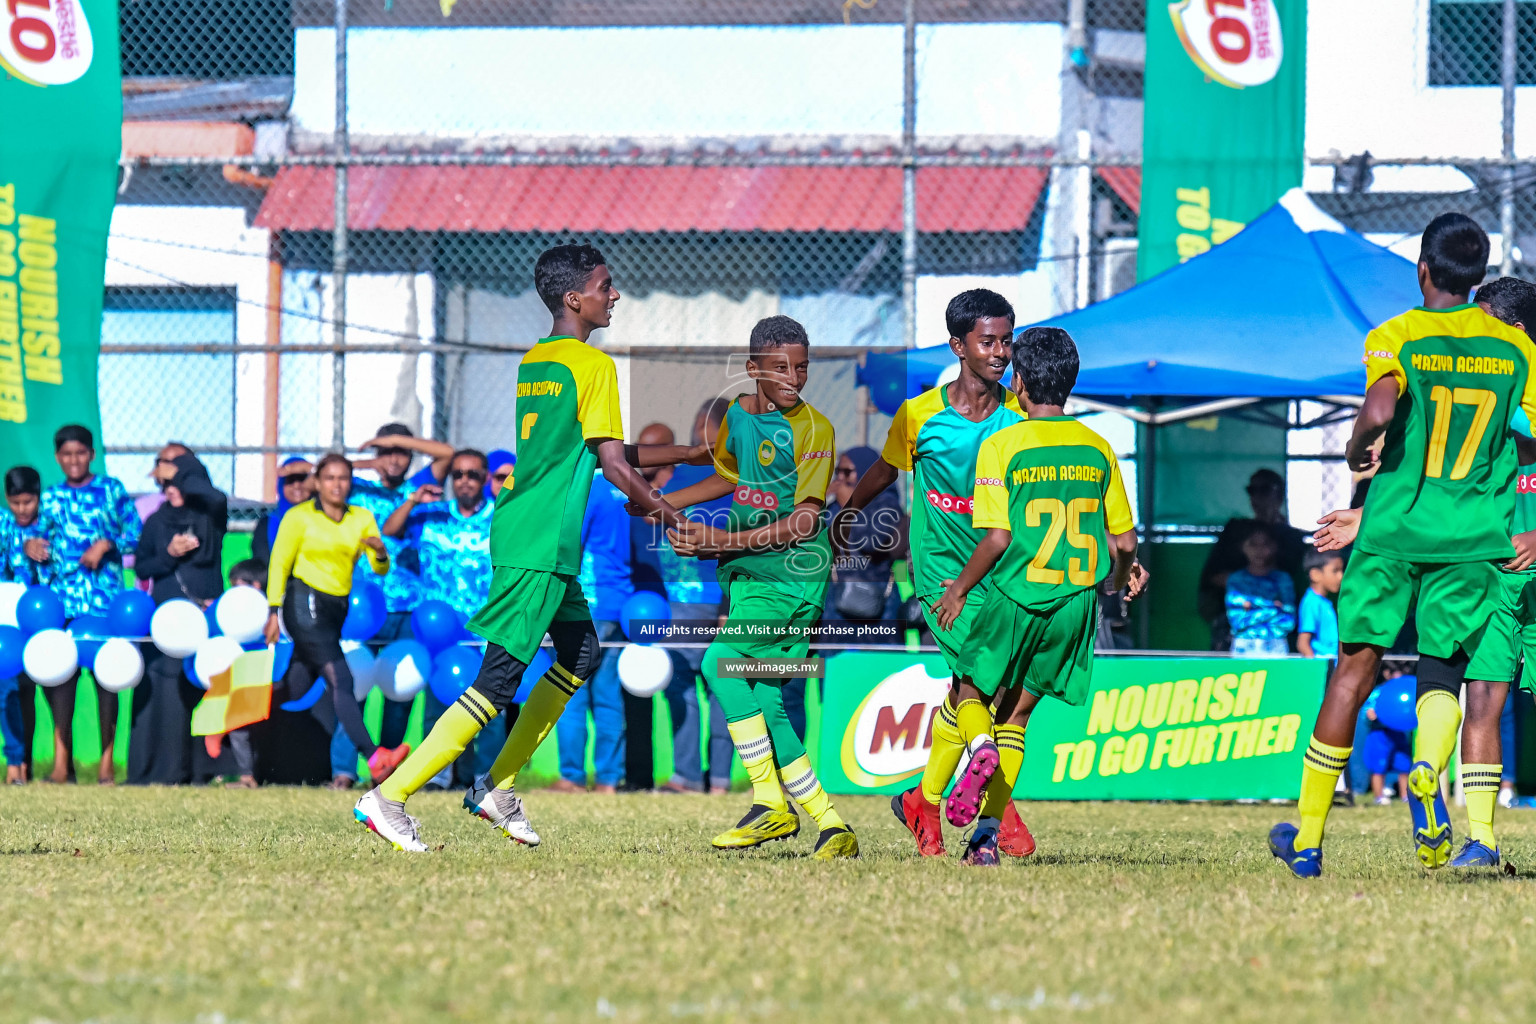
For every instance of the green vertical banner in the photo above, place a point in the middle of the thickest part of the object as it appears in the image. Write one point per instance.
(1224, 123)
(60, 139)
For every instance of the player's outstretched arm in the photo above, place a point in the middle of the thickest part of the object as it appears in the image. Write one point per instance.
(1374, 418)
(610, 455)
(646, 456)
(875, 479)
(1338, 529)
(952, 602)
(1129, 575)
(702, 541)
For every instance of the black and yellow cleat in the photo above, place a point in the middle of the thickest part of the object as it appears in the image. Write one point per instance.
(762, 824)
(836, 844)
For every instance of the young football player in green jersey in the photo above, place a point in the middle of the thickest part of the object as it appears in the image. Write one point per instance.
(935, 437)
(1510, 634)
(1434, 532)
(1048, 492)
(568, 422)
(774, 453)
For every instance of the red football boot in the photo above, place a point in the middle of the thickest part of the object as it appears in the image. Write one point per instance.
(922, 820)
(1013, 837)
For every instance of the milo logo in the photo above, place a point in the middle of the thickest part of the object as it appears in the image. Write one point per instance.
(754, 498)
(950, 502)
(45, 42)
(1235, 42)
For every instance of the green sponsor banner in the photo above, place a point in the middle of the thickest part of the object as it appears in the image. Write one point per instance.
(1224, 121)
(59, 146)
(1154, 728)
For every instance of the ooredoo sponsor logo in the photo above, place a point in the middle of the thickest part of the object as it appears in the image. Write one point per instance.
(1235, 42)
(950, 502)
(45, 42)
(757, 499)
(1525, 483)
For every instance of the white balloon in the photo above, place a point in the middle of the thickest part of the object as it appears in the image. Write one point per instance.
(119, 665)
(10, 593)
(178, 628)
(644, 669)
(402, 670)
(242, 613)
(214, 655)
(364, 668)
(50, 657)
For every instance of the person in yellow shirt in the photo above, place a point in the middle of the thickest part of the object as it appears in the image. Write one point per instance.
(309, 579)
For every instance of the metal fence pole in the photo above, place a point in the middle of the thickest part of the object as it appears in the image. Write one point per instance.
(1507, 199)
(909, 178)
(339, 240)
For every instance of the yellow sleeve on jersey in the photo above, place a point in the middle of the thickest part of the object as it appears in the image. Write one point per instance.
(989, 500)
(1381, 355)
(725, 461)
(1117, 508)
(899, 441)
(813, 455)
(597, 396)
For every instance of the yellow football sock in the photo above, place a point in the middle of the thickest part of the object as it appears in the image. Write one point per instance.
(1320, 770)
(975, 721)
(944, 755)
(805, 787)
(999, 791)
(756, 750)
(459, 724)
(1480, 784)
(539, 715)
(1439, 724)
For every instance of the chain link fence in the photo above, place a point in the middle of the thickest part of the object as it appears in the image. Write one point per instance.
(732, 158)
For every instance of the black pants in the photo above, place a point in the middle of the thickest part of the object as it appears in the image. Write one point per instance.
(313, 618)
(160, 741)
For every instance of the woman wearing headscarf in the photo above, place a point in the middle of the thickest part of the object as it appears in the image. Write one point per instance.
(180, 553)
(309, 579)
(295, 485)
(499, 464)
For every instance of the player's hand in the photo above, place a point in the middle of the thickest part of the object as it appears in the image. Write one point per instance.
(1137, 583)
(699, 455)
(1525, 552)
(376, 545)
(695, 540)
(1364, 460)
(272, 632)
(426, 494)
(1339, 529)
(949, 605)
(92, 556)
(37, 549)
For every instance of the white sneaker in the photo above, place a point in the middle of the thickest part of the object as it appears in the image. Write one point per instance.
(388, 820)
(1384, 800)
(502, 808)
(1506, 797)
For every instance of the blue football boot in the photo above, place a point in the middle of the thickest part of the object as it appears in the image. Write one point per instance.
(1303, 863)
(1431, 821)
(1476, 855)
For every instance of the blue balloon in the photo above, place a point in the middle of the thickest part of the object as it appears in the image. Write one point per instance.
(84, 629)
(282, 657)
(1395, 704)
(213, 620)
(643, 606)
(436, 625)
(129, 613)
(12, 642)
(888, 391)
(307, 701)
(453, 671)
(190, 672)
(38, 609)
(541, 663)
(366, 612)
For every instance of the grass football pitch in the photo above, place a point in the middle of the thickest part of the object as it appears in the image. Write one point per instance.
(215, 907)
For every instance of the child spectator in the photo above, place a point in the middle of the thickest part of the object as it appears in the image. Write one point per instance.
(1261, 600)
(1386, 750)
(249, 573)
(1317, 629)
(18, 700)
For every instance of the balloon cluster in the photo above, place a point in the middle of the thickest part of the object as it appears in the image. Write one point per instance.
(33, 638)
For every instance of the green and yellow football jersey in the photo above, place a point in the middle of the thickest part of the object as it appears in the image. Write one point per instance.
(938, 446)
(776, 460)
(567, 395)
(1056, 484)
(1444, 492)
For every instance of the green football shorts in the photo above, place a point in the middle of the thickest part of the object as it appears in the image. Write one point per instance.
(952, 640)
(1457, 599)
(522, 604)
(1510, 634)
(1049, 653)
(767, 618)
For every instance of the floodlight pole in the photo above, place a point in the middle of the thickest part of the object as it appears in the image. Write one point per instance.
(339, 241)
(1507, 198)
(909, 178)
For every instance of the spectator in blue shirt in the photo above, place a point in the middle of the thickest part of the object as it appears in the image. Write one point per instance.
(18, 700)
(91, 523)
(1261, 600)
(1317, 621)
(452, 541)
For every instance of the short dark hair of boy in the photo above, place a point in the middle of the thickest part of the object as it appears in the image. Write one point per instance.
(1510, 300)
(563, 269)
(965, 309)
(22, 480)
(1045, 358)
(776, 332)
(73, 432)
(1455, 249)
(249, 572)
(1316, 559)
(473, 453)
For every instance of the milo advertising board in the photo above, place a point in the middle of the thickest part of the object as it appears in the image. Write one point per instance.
(1154, 728)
